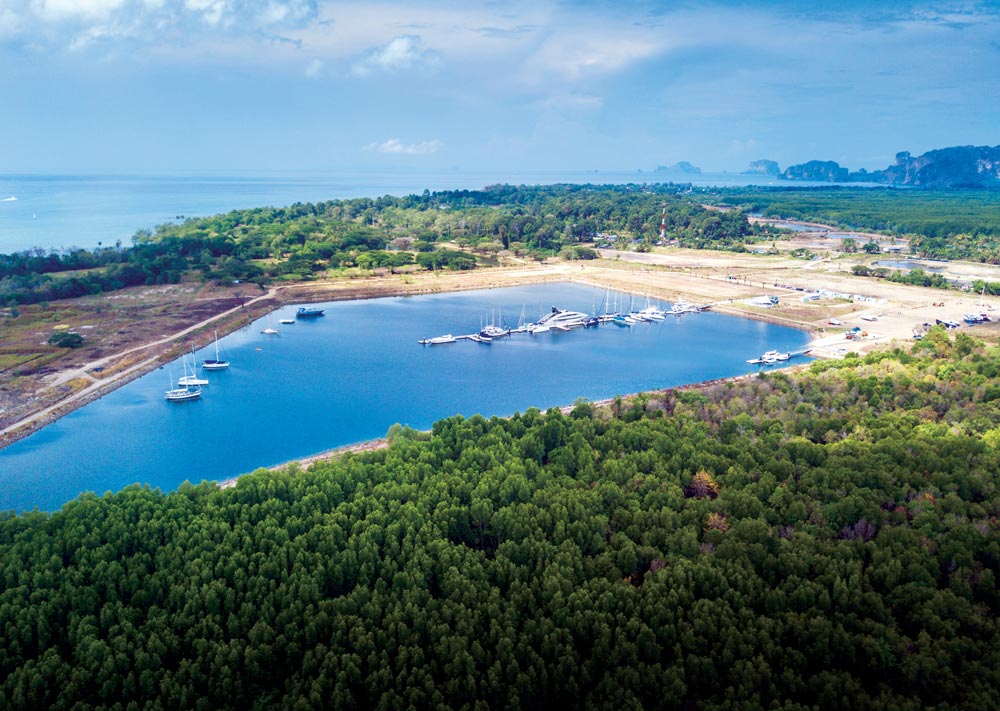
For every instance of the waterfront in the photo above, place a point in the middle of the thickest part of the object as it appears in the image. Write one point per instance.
(350, 375)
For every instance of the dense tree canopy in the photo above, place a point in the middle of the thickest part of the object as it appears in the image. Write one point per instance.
(838, 549)
(442, 230)
(943, 224)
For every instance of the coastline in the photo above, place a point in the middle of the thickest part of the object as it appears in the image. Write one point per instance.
(383, 443)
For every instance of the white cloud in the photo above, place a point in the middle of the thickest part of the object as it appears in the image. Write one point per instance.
(402, 53)
(70, 9)
(211, 10)
(395, 146)
(314, 68)
(591, 51)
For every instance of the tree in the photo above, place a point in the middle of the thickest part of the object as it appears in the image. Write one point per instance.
(66, 339)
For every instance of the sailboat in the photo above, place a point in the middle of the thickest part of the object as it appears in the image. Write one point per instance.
(215, 363)
(192, 379)
(181, 394)
(270, 330)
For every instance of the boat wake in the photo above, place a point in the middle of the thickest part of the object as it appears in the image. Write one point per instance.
(12, 198)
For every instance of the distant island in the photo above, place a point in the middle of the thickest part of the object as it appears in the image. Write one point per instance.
(682, 167)
(955, 167)
(763, 167)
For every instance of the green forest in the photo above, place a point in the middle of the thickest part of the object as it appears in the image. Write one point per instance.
(941, 224)
(457, 229)
(838, 548)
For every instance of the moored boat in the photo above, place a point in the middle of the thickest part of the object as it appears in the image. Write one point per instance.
(181, 394)
(438, 340)
(215, 363)
(308, 312)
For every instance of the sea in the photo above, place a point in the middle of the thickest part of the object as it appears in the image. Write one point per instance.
(349, 375)
(64, 211)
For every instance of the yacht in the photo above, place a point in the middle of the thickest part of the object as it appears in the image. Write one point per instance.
(770, 358)
(560, 318)
(493, 331)
(308, 312)
(215, 363)
(438, 340)
(187, 379)
(180, 394)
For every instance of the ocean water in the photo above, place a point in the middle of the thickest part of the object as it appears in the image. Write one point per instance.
(348, 376)
(58, 211)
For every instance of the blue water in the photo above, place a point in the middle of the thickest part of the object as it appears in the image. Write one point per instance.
(348, 376)
(54, 212)
(907, 264)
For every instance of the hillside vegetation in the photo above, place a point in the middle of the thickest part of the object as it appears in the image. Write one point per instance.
(457, 230)
(838, 549)
(942, 224)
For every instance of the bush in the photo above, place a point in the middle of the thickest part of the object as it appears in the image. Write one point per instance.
(66, 339)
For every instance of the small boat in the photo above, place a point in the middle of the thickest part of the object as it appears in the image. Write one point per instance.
(308, 312)
(286, 321)
(562, 317)
(270, 330)
(438, 340)
(770, 358)
(192, 379)
(181, 394)
(491, 331)
(622, 320)
(215, 363)
(682, 307)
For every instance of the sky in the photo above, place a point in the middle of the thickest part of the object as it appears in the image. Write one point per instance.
(161, 86)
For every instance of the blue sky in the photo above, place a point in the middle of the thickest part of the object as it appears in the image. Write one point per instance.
(149, 86)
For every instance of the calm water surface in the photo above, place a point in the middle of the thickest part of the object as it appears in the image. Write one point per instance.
(348, 376)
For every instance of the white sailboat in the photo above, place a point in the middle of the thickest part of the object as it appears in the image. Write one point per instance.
(187, 379)
(180, 394)
(270, 330)
(215, 363)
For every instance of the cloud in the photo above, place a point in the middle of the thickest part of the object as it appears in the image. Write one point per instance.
(314, 68)
(402, 53)
(59, 10)
(395, 146)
